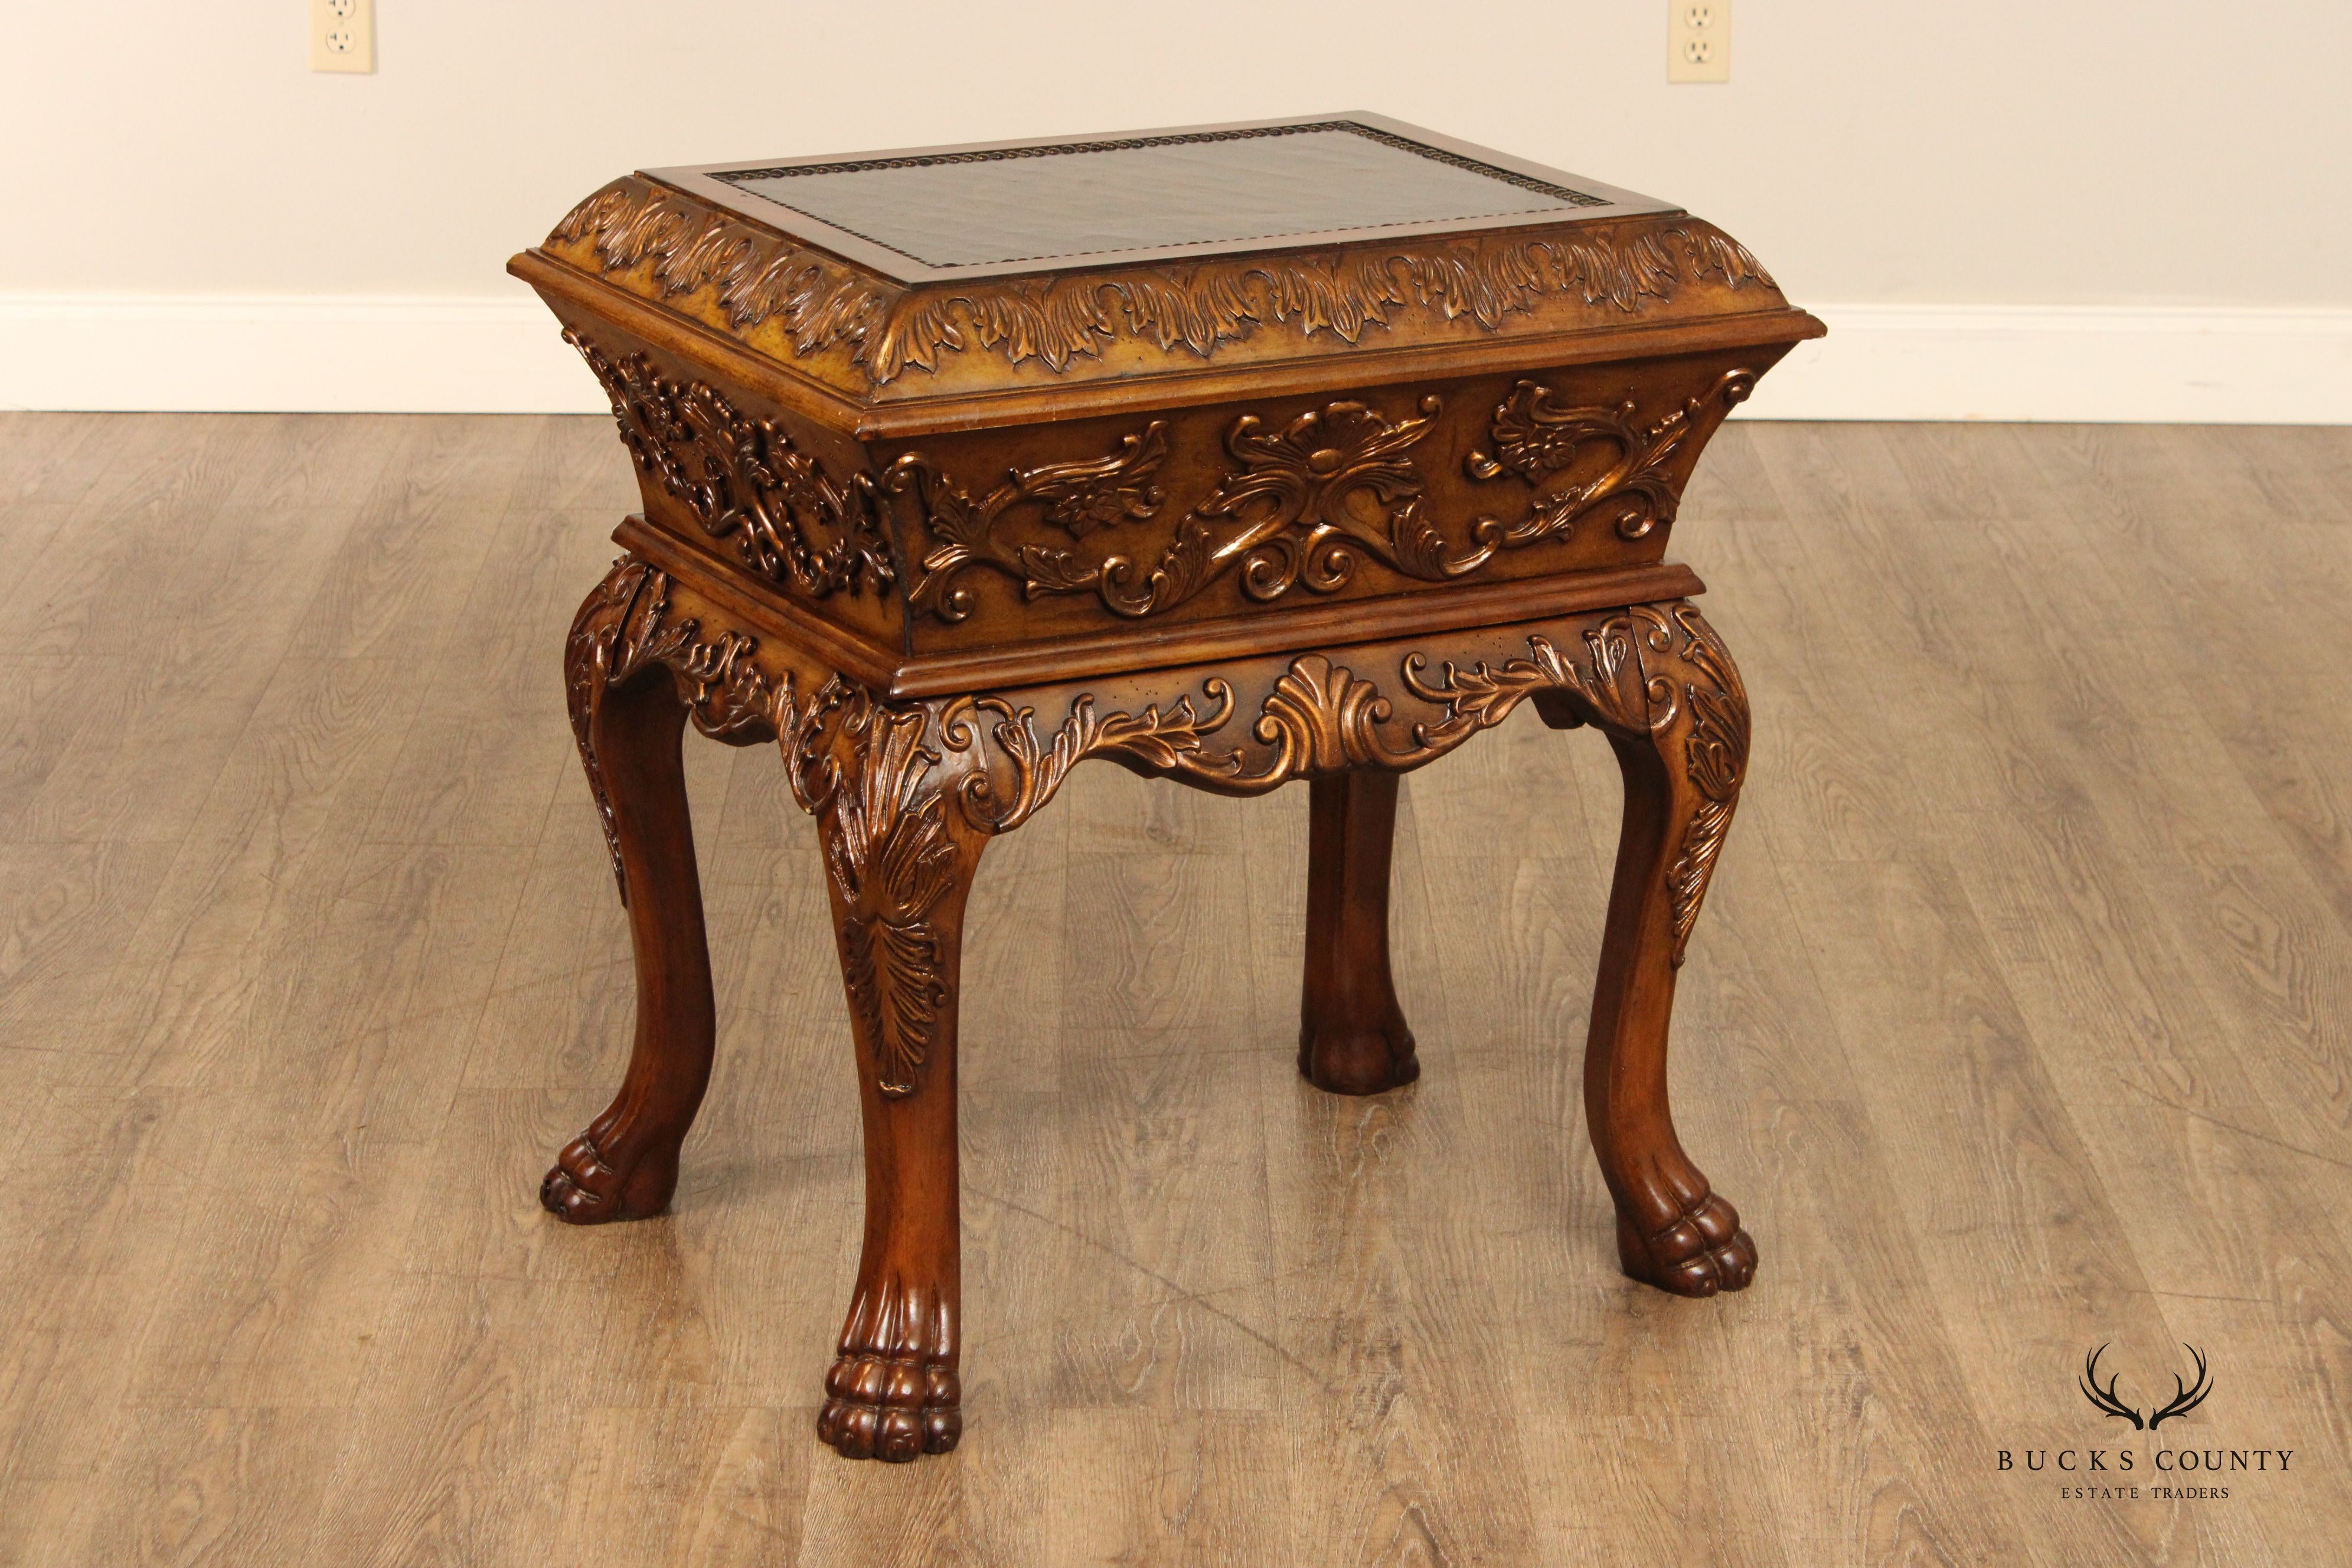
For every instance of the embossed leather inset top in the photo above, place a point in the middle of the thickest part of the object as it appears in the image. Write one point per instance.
(1152, 193)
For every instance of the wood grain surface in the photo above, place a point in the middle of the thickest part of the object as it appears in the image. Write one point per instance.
(2018, 1025)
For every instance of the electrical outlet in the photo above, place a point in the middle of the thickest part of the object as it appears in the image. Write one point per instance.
(1698, 40)
(342, 34)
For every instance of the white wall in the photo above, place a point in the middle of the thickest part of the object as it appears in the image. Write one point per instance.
(196, 219)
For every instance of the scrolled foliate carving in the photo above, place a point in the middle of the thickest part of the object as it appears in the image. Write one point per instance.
(743, 480)
(626, 627)
(1157, 740)
(1655, 672)
(1536, 436)
(902, 792)
(1320, 717)
(1308, 498)
(1653, 669)
(1298, 506)
(1305, 504)
(1606, 687)
(1081, 498)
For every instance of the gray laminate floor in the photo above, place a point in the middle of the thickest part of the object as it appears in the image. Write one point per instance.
(2017, 1023)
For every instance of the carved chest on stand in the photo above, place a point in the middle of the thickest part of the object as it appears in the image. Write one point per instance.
(1303, 449)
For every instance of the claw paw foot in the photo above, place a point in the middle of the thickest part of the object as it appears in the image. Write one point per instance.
(599, 1176)
(890, 1407)
(893, 1393)
(1700, 1252)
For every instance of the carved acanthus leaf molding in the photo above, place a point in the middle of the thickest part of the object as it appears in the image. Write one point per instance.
(744, 481)
(1714, 759)
(755, 275)
(1068, 316)
(1536, 436)
(890, 853)
(591, 655)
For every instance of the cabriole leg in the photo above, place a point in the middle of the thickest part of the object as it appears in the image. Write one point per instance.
(899, 855)
(1683, 772)
(628, 718)
(1352, 1038)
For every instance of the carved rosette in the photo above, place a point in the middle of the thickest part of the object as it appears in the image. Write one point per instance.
(742, 480)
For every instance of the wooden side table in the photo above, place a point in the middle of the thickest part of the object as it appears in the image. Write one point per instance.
(1236, 455)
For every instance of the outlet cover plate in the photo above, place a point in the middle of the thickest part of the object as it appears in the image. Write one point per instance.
(342, 35)
(1698, 40)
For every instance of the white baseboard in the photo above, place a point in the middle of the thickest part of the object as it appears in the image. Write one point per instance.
(2103, 364)
(251, 354)
(501, 356)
